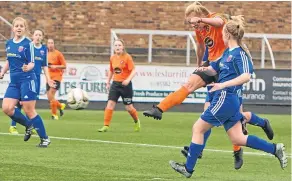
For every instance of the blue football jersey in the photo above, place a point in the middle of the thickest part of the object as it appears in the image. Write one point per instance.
(18, 54)
(40, 58)
(232, 64)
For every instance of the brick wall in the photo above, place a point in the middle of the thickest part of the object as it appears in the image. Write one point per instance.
(90, 22)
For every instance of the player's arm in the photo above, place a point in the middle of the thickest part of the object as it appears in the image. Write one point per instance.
(216, 22)
(49, 81)
(4, 69)
(200, 53)
(109, 77)
(200, 48)
(29, 55)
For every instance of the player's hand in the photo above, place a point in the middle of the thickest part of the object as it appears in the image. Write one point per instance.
(216, 86)
(53, 67)
(52, 83)
(125, 82)
(25, 68)
(194, 20)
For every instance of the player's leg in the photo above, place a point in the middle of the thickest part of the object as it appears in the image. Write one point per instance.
(185, 150)
(238, 138)
(196, 147)
(60, 106)
(114, 94)
(28, 98)
(176, 97)
(11, 98)
(127, 96)
(255, 120)
(51, 92)
(12, 128)
(237, 153)
(195, 81)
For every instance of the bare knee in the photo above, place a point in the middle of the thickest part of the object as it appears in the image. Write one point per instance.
(129, 107)
(29, 109)
(8, 106)
(247, 116)
(195, 82)
(239, 140)
(111, 105)
(51, 94)
(8, 109)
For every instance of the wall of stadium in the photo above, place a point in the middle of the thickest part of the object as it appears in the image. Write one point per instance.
(90, 22)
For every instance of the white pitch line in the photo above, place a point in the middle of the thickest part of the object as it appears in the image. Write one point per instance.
(143, 144)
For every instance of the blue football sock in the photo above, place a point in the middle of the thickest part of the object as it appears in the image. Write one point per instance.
(39, 126)
(193, 154)
(13, 123)
(260, 144)
(257, 121)
(20, 118)
(206, 136)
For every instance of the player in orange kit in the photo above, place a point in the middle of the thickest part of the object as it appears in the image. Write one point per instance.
(122, 69)
(56, 64)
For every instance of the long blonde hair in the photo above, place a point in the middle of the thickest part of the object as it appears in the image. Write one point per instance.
(196, 8)
(235, 27)
(26, 33)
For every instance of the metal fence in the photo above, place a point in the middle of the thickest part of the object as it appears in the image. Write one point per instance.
(189, 39)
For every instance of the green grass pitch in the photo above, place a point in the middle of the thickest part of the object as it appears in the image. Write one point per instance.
(122, 154)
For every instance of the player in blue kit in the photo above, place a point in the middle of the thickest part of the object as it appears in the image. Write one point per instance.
(40, 61)
(248, 117)
(22, 86)
(234, 69)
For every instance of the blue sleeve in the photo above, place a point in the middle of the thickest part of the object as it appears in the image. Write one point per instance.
(215, 65)
(29, 53)
(206, 55)
(243, 63)
(45, 61)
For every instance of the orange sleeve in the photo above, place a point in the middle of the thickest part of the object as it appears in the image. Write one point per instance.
(62, 59)
(199, 38)
(130, 63)
(111, 65)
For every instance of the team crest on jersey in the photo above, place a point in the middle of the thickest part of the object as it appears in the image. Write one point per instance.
(42, 52)
(229, 58)
(20, 48)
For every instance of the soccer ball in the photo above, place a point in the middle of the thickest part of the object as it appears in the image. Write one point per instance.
(77, 99)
